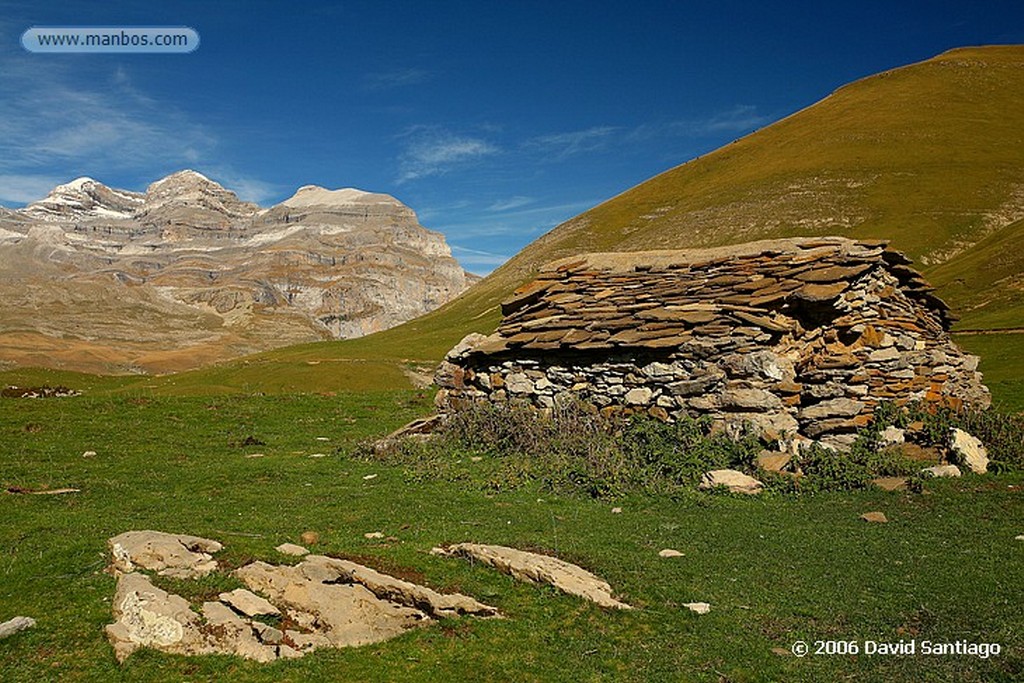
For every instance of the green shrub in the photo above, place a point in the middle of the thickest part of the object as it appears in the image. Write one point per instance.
(574, 450)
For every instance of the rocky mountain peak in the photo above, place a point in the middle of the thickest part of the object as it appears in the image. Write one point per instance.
(192, 190)
(187, 273)
(314, 195)
(84, 198)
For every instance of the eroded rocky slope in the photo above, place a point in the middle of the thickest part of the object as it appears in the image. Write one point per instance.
(100, 279)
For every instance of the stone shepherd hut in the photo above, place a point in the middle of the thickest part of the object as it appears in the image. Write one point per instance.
(802, 336)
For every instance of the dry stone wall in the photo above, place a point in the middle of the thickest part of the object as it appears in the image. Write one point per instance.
(795, 336)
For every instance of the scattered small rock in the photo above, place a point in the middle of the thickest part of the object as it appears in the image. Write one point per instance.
(368, 477)
(255, 455)
(12, 626)
(318, 455)
(323, 438)
(698, 607)
(876, 517)
(735, 481)
(781, 651)
(616, 511)
(44, 391)
(1019, 538)
(475, 458)
(374, 534)
(89, 454)
(940, 471)
(669, 552)
(292, 549)
(310, 537)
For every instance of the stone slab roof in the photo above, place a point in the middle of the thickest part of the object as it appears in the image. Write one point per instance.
(662, 299)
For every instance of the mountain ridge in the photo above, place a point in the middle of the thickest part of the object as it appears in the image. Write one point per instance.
(101, 279)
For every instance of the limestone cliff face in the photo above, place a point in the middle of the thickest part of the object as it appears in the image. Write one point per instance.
(187, 264)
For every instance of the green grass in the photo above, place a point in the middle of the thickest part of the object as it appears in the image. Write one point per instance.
(775, 568)
(1002, 366)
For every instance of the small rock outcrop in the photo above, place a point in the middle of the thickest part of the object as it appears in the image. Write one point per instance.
(793, 336)
(176, 555)
(147, 616)
(320, 602)
(537, 568)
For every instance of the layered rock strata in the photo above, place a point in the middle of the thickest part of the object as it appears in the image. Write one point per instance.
(186, 273)
(793, 336)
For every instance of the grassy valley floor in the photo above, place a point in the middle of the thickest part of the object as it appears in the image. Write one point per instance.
(775, 569)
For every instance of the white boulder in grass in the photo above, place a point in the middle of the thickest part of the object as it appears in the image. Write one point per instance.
(969, 450)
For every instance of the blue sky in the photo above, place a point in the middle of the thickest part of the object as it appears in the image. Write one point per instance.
(495, 121)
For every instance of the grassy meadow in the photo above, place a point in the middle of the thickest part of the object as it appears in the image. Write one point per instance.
(775, 568)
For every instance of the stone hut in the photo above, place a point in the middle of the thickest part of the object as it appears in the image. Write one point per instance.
(802, 336)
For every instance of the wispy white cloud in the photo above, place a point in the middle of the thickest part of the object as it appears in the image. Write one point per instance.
(559, 146)
(387, 80)
(53, 118)
(478, 257)
(435, 152)
(522, 222)
(510, 203)
(22, 189)
(738, 119)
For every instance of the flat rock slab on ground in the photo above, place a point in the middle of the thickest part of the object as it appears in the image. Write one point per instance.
(875, 517)
(537, 568)
(734, 480)
(322, 602)
(176, 555)
(12, 626)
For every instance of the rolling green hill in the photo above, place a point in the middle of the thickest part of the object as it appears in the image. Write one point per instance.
(929, 156)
